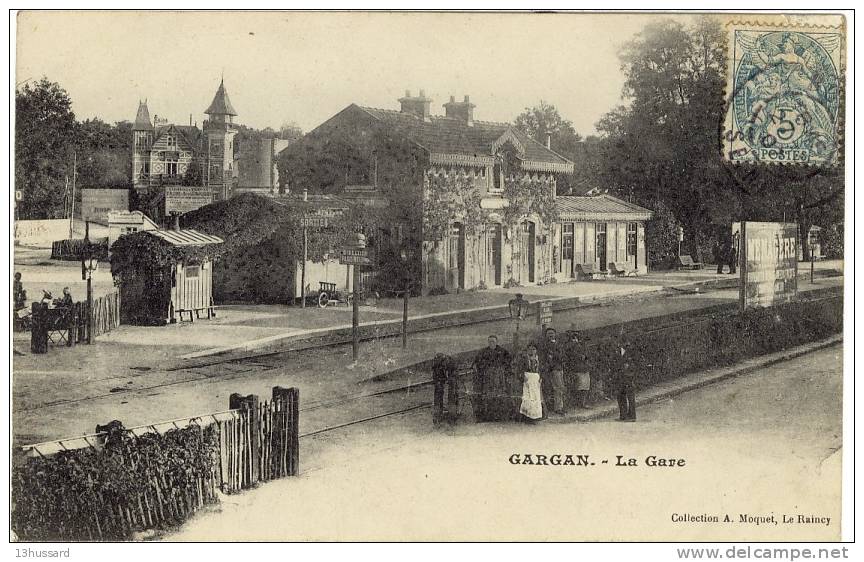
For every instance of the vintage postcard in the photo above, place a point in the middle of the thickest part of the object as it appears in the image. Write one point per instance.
(428, 276)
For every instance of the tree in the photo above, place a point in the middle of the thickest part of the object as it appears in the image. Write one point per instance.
(662, 149)
(44, 143)
(544, 118)
(104, 153)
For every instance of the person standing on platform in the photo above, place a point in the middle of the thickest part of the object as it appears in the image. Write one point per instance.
(444, 375)
(491, 382)
(577, 369)
(733, 257)
(552, 370)
(624, 380)
(531, 407)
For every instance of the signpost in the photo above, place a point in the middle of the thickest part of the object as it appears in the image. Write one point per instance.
(768, 263)
(184, 198)
(544, 314)
(319, 218)
(354, 254)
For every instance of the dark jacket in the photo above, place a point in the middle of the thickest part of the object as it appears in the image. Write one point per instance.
(552, 357)
(576, 354)
(443, 368)
(492, 359)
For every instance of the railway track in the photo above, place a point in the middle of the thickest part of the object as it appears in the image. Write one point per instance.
(329, 415)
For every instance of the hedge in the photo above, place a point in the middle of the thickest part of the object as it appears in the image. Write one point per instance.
(107, 493)
(667, 352)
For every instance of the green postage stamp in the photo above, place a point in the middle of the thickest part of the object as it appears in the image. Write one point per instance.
(784, 87)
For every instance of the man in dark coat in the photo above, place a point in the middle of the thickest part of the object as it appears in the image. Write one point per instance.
(733, 257)
(624, 380)
(552, 371)
(576, 369)
(444, 375)
(492, 368)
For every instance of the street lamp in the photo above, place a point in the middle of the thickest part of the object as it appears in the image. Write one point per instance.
(89, 264)
(356, 241)
(518, 311)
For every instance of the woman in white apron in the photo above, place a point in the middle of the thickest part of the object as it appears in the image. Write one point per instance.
(532, 399)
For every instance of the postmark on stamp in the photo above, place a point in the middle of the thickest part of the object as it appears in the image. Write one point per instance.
(784, 88)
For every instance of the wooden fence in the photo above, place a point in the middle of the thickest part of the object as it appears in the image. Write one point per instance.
(105, 313)
(149, 478)
(263, 443)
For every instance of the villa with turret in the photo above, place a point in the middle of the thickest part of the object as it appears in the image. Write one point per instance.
(163, 152)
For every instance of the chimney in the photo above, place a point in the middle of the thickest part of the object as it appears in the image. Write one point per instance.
(548, 140)
(461, 110)
(418, 106)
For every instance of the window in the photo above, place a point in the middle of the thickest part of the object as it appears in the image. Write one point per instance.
(171, 141)
(192, 271)
(171, 167)
(631, 239)
(601, 228)
(567, 242)
(145, 169)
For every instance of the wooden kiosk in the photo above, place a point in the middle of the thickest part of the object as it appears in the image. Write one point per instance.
(171, 278)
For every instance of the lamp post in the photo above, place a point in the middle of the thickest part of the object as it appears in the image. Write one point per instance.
(518, 311)
(88, 266)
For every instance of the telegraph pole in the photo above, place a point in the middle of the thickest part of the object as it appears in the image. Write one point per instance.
(305, 255)
(72, 210)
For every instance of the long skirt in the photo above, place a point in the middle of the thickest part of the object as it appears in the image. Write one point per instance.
(532, 398)
(496, 396)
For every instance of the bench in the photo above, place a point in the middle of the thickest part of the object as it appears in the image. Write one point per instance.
(211, 312)
(588, 270)
(617, 269)
(686, 262)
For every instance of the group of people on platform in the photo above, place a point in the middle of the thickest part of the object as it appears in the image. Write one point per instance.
(545, 378)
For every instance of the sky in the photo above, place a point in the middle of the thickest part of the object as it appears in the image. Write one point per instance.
(285, 67)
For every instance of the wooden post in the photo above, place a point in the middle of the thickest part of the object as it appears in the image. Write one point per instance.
(287, 400)
(355, 316)
(89, 306)
(405, 317)
(742, 266)
(38, 328)
(303, 267)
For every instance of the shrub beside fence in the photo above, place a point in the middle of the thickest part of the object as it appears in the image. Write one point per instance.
(120, 482)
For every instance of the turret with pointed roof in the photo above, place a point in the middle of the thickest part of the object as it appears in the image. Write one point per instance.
(218, 146)
(221, 104)
(142, 118)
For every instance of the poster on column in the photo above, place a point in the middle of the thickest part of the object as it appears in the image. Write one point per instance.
(769, 264)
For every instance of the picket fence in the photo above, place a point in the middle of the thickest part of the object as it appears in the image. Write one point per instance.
(105, 314)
